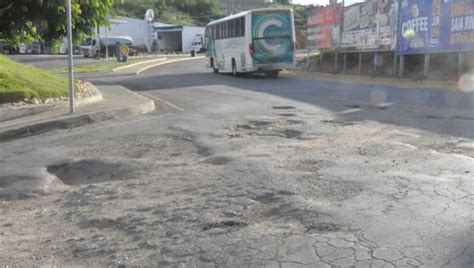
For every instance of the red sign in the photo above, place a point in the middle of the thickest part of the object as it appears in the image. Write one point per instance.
(324, 27)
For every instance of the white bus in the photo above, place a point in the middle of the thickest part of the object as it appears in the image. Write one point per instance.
(258, 40)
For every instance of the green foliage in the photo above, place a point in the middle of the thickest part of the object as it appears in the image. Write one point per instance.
(18, 82)
(25, 20)
(180, 12)
(282, 2)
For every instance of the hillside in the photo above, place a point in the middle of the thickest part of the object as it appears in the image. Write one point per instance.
(179, 12)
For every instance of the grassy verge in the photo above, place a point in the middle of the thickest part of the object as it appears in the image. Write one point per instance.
(91, 68)
(18, 82)
(100, 67)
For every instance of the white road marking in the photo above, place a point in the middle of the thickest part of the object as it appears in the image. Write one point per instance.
(138, 63)
(162, 100)
(166, 62)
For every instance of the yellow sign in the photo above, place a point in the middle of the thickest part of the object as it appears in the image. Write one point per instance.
(124, 50)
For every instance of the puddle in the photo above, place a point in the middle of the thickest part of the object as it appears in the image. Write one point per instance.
(91, 172)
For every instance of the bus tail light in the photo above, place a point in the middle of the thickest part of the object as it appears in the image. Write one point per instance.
(251, 49)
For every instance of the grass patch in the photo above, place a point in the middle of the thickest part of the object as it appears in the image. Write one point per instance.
(18, 82)
(100, 67)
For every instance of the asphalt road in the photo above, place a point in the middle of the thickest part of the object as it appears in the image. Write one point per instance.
(249, 172)
(50, 61)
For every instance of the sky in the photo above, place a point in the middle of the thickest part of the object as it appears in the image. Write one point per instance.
(322, 2)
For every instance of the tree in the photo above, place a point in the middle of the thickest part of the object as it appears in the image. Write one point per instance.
(282, 2)
(26, 20)
(181, 12)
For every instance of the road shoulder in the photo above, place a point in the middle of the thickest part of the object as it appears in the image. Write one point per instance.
(117, 102)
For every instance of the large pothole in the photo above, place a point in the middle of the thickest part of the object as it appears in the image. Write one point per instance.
(91, 171)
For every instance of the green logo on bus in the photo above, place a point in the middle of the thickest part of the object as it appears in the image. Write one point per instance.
(272, 38)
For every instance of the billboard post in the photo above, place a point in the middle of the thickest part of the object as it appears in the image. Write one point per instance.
(460, 63)
(426, 71)
(401, 70)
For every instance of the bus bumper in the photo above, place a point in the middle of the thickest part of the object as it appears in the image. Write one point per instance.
(273, 67)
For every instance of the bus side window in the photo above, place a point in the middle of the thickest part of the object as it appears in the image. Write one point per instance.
(222, 28)
(232, 28)
(238, 24)
(242, 26)
(226, 29)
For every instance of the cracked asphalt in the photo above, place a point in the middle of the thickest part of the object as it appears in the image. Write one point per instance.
(245, 172)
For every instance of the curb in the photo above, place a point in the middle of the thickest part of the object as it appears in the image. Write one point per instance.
(76, 121)
(14, 113)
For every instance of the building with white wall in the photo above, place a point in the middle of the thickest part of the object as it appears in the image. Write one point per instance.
(177, 38)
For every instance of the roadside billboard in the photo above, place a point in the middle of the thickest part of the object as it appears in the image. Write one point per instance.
(324, 27)
(371, 25)
(436, 26)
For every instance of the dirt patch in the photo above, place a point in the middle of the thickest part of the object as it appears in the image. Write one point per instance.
(91, 172)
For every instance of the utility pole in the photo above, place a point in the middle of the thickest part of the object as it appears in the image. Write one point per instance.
(70, 62)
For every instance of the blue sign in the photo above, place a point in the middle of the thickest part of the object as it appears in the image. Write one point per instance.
(436, 26)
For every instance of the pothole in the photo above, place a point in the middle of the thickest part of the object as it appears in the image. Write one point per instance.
(219, 160)
(224, 224)
(260, 123)
(16, 187)
(316, 188)
(309, 165)
(337, 122)
(323, 227)
(91, 171)
(283, 107)
(10, 180)
(292, 134)
(267, 198)
(287, 114)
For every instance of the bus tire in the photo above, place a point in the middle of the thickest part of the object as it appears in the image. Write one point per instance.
(272, 74)
(214, 69)
(234, 69)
